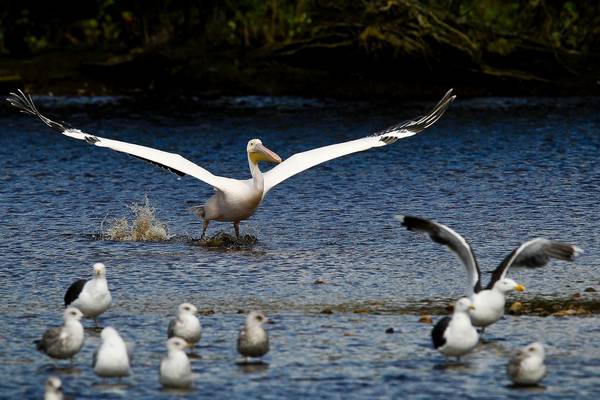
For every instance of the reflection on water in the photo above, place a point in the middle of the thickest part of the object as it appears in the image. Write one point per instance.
(499, 171)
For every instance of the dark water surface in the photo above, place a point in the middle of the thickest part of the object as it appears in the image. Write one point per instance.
(499, 171)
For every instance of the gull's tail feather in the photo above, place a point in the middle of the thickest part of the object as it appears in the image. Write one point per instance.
(25, 104)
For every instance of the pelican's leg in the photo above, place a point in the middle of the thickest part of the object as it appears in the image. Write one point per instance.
(204, 228)
(236, 226)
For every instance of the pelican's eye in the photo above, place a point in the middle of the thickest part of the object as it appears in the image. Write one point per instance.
(259, 318)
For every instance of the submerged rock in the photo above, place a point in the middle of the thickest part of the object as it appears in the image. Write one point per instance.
(227, 241)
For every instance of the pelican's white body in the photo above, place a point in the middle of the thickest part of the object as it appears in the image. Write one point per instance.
(237, 203)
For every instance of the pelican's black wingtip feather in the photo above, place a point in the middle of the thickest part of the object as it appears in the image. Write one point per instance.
(419, 124)
(25, 104)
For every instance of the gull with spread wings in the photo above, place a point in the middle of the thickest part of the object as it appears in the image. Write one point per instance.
(236, 200)
(489, 302)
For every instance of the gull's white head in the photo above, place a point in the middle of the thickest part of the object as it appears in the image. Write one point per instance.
(507, 285)
(175, 344)
(255, 318)
(535, 349)
(72, 314)
(99, 270)
(187, 308)
(109, 333)
(463, 305)
(53, 388)
(258, 152)
(54, 383)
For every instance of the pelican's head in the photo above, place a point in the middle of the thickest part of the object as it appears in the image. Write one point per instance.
(258, 152)
(99, 270)
(72, 313)
(187, 308)
(464, 305)
(507, 285)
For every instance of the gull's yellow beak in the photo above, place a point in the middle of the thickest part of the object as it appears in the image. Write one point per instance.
(471, 307)
(520, 288)
(261, 153)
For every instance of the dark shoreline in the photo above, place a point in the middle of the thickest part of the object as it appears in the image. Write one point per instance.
(155, 75)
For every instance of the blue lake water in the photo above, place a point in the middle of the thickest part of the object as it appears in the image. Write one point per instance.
(498, 170)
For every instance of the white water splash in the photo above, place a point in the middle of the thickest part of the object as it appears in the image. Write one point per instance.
(144, 226)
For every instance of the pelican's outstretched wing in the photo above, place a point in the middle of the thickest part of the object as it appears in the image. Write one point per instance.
(169, 161)
(302, 161)
(443, 235)
(534, 254)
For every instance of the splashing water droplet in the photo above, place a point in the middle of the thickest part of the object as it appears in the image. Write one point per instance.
(144, 227)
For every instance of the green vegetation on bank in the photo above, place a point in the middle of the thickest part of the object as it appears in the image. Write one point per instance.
(234, 44)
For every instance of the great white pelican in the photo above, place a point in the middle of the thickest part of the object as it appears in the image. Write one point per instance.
(236, 200)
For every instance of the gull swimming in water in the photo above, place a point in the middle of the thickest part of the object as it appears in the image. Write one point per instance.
(186, 325)
(175, 368)
(64, 341)
(455, 336)
(526, 367)
(236, 200)
(112, 359)
(54, 389)
(92, 296)
(253, 340)
(489, 302)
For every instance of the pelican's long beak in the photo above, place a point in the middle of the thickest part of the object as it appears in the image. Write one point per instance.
(520, 288)
(261, 153)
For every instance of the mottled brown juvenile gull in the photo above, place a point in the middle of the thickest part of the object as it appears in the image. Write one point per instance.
(489, 302)
(175, 368)
(253, 340)
(91, 296)
(64, 341)
(526, 367)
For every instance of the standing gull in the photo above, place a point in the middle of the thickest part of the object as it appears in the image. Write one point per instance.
(64, 341)
(253, 340)
(236, 200)
(489, 301)
(112, 358)
(175, 368)
(186, 325)
(92, 296)
(54, 389)
(526, 367)
(455, 336)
